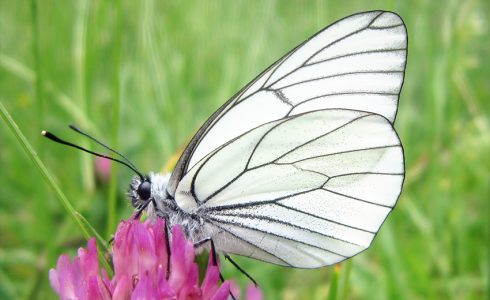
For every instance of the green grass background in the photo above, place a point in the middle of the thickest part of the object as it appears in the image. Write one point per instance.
(143, 75)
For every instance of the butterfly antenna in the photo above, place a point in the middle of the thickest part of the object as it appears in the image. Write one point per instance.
(56, 139)
(73, 127)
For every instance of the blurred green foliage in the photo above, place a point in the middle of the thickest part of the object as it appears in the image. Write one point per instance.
(143, 75)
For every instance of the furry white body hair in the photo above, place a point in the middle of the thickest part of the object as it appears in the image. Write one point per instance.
(165, 207)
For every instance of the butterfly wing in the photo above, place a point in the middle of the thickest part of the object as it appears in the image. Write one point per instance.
(303, 165)
(355, 63)
(309, 190)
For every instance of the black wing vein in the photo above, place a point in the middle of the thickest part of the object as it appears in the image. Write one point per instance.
(285, 237)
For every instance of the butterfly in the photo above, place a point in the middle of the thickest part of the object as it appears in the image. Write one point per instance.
(303, 165)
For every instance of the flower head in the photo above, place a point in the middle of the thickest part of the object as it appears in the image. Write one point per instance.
(141, 270)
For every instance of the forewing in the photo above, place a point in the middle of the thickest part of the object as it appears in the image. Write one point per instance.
(308, 190)
(357, 63)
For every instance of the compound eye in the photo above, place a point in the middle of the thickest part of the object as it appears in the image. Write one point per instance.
(144, 190)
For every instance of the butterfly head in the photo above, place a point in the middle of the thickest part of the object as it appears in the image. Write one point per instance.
(151, 187)
(144, 189)
(140, 190)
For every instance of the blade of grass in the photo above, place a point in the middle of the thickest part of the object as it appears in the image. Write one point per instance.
(102, 243)
(116, 106)
(345, 280)
(334, 283)
(84, 226)
(40, 166)
(92, 230)
(79, 220)
(80, 56)
(37, 68)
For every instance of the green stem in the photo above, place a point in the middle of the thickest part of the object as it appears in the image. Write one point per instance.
(345, 286)
(102, 244)
(116, 104)
(40, 166)
(37, 68)
(334, 283)
(84, 226)
(80, 56)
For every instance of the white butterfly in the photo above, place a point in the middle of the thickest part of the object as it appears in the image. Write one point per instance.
(302, 166)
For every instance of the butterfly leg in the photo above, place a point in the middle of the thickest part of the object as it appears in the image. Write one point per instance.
(240, 269)
(143, 207)
(200, 243)
(167, 245)
(167, 231)
(214, 258)
(214, 255)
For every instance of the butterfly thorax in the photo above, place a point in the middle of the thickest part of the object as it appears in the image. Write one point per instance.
(164, 206)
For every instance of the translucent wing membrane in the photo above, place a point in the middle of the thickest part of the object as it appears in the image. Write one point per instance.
(357, 63)
(302, 166)
(284, 186)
